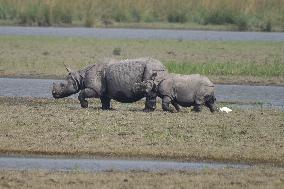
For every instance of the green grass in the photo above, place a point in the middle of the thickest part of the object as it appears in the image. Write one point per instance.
(266, 15)
(228, 69)
(44, 56)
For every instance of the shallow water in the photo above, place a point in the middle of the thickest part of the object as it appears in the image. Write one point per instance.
(249, 96)
(117, 33)
(95, 165)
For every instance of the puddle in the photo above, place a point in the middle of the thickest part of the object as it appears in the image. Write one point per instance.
(96, 165)
(245, 96)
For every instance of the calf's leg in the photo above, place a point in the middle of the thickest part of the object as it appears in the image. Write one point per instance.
(175, 104)
(166, 104)
(210, 103)
(150, 103)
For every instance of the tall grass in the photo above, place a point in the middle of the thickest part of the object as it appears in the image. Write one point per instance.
(246, 14)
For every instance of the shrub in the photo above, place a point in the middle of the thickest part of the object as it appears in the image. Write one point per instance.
(177, 16)
(116, 51)
(219, 16)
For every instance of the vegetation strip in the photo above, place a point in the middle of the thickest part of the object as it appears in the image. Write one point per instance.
(224, 62)
(263, 15)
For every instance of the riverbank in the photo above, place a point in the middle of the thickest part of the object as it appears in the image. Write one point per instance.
(61, 127)
(230, 62)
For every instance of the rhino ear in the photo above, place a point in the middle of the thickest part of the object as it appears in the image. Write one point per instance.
(153, 76)
(67, 68)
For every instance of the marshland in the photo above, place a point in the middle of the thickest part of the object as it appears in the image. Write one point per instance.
(37, 126)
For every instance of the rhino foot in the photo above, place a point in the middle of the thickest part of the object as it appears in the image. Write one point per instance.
(148, 109)
(84, 103)
(196, 108)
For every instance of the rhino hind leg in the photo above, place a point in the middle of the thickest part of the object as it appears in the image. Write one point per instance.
(210, 103)
(197, 105)
(86, 93)
(166, 104)
(197, 108)
(105, 102)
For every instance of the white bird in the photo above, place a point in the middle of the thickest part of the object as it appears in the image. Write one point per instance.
(225, 109)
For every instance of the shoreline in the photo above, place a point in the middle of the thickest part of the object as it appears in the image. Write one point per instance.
(223, 80)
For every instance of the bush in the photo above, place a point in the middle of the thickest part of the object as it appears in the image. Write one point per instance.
(135, 15)
(116, 51)
(242, 23)
(62, 15)
(220, 16)
(177, 17)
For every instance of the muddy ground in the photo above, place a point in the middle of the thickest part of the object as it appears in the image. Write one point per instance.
(253, 178)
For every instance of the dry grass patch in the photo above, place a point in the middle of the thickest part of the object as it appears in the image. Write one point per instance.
(253, 178)
(45, 126)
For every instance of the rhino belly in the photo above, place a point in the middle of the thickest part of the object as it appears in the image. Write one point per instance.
(185, 96)
(121, 80)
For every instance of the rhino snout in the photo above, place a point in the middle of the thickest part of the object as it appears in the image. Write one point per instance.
(54, 91)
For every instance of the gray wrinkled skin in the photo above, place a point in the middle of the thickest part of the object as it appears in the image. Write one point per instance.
(112, 80)
(184, 90)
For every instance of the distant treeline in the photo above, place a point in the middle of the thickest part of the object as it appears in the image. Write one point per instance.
(245, 14)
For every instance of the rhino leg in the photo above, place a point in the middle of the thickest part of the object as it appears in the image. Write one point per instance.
(105, 102)
(166, 104)
(150, 103)
(175, 104)
(210, 103)
(197, 106)
(86, 93)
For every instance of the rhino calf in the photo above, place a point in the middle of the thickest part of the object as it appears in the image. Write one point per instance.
(184, 90)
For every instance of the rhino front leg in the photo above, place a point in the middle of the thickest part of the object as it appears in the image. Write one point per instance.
(166, 104)
(150, 103)
(210, 103)
(86, 93)
(175, 104)
(105, 102)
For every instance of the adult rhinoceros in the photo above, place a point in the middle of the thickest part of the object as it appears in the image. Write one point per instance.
(112, 80)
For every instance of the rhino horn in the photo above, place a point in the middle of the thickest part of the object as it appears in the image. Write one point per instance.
(67, 68)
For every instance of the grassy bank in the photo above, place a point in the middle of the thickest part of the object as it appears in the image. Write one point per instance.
(265, 15)
(223, 62)
(42, 126)
(253, 178)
